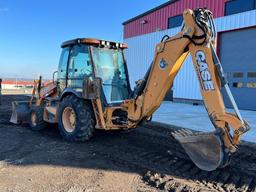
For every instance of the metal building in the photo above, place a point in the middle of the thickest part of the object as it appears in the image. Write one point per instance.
(236, 26)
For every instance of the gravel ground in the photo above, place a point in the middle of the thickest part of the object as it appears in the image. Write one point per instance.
(144, 159)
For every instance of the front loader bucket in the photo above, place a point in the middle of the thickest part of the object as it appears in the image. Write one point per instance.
(204, 149)
(20, 112)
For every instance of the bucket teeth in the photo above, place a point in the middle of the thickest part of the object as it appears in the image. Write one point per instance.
(182, 133)
(186, 135)
(204, 149)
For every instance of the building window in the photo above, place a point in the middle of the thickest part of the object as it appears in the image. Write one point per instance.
(251, 74)
(251, 85)
(175, 21)
(238, 75)
(238, 85)
(238, 6)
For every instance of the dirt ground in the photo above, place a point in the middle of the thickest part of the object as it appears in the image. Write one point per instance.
(145, 159)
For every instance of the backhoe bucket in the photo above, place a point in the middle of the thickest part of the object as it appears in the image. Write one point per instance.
(20, 112)
(204, 149)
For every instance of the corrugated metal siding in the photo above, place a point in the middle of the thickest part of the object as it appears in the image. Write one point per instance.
(158, 20)
(186, 85)
(241, 59)
(141, 51)
(236, 21)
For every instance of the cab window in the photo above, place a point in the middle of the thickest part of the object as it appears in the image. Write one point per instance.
(79, 63)
(63, 63)
(110, 67)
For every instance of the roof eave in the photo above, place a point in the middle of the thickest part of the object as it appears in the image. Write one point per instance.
(150, 11)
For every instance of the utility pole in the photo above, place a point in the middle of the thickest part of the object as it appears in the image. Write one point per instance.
(0, 91)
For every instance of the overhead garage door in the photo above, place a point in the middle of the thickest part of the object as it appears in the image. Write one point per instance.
(238, 56)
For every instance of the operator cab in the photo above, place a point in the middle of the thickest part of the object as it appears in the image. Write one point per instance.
(85, 58)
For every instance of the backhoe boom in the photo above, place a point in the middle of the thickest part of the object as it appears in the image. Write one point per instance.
(197, 38)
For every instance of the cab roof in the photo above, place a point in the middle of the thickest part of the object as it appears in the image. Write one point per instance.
(92, 41)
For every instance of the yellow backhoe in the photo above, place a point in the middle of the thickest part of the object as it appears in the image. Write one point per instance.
(92, 91)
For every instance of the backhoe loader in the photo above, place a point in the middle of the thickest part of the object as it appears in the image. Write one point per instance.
(92, 91)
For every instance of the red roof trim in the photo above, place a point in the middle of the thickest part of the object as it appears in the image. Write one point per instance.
(12, 82)
(157, 19)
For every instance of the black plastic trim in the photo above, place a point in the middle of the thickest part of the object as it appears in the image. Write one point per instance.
(68, 91)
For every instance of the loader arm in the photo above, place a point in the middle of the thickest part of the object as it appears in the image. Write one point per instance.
(197, 38)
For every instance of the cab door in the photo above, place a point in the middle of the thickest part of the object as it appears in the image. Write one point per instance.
(79, 67)
(62, 70)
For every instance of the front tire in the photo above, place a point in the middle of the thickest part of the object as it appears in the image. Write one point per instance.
(37, 122)
(76, 120)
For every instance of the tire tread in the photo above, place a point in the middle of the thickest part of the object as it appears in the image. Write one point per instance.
(85, 119)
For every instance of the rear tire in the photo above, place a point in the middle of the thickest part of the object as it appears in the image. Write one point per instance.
(36, 120)
(76, 120)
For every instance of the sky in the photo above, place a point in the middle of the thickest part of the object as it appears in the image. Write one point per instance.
(31, 31)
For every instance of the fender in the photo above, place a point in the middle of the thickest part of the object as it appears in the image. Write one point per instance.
(68, 91)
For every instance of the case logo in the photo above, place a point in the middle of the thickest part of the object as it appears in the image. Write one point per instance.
(163, 64)
(204, 72)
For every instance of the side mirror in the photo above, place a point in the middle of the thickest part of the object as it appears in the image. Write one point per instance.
(53, 77)
(92, 88)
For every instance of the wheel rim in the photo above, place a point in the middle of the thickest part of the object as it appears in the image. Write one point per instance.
(33, 119)
(69, 119)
